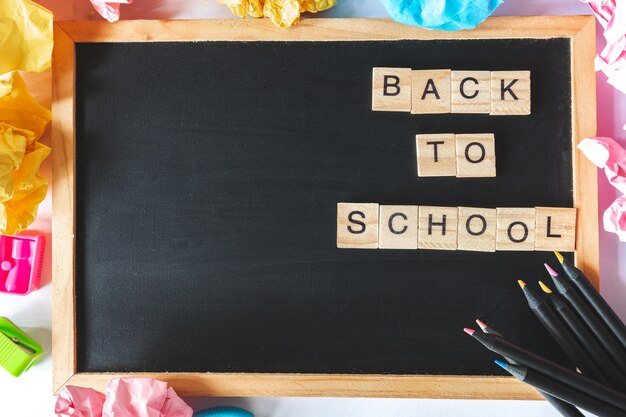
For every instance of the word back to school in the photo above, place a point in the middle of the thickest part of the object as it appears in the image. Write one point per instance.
(503, 93)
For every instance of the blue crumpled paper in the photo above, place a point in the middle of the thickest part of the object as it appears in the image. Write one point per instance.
(441, 14)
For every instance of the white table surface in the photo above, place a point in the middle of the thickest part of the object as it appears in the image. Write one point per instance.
(31, 394)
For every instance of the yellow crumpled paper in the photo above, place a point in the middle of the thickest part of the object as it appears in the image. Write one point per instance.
(25, 36)
(283, 13)
(18, 108)
(12, 148)
(22, 122)
(20, 211)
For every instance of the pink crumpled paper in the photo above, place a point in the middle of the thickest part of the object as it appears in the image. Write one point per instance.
(79, 402)
(143, 397)
(614, 218)
(110, 10)
(607, 154)
(612, 60)
(125, 397)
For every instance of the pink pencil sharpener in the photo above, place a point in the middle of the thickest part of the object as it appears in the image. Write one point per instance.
(21, 258)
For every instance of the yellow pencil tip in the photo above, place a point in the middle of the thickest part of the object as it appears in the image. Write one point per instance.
(545, 288)
(558, 256)
(521, 283)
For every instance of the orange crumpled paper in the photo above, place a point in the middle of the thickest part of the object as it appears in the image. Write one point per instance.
(283, 13)
(22, 122)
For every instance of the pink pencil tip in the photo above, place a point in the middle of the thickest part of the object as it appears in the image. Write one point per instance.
(551, 271)
(469, 331)
(481, 324)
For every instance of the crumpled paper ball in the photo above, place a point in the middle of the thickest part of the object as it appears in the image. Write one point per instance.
(143, 397)
(607, 154)
(22, 122)
(110, 10)
(79, 402)
(614, 218)
(283, 13)
(18, 108)
(125, 397)
(612, 59)
(441, 14)
(12, 148)
(25, 36)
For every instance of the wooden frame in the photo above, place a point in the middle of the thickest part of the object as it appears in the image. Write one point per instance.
(579, 29)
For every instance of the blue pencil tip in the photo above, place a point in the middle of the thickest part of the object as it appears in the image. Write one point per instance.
(501, 364)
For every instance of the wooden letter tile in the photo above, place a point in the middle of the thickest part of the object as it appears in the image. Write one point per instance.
(471, 91)
(475, 155)
(515, 229)
(391, 89)
(437, 228)
(436, 155)
(510, 92)
(430, 91)
(477, 229)
(357, 225)
(556, 229)
(397, 227)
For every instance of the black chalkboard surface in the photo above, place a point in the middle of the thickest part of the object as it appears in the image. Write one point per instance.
(207, 176)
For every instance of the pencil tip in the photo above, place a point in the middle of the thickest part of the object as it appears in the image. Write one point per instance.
(521, 283)
(502, 364)
(550, 270)
(481, 324)
(545, 288)
(469, 331)
(558, 256)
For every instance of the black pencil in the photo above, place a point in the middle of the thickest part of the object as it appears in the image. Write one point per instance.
(509, 349)
(562, 391)
(594, 298)
(564, 408)
(604, 337)
(559, 332)
(589, 342)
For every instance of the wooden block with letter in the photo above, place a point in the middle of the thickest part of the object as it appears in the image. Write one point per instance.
(436, 155)
(391, 89)
(471, 91)
(555, 228)
(475, 155)
(430, 91)
(515, 229)
(510, 93)
(357, 225)
(477, 229)
(397, 227)
(437, 228)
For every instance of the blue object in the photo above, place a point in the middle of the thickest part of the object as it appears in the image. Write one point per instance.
(502, 364)
(441, 14)
(223, 412)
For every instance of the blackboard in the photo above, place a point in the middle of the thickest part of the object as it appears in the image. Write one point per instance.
(207, 177)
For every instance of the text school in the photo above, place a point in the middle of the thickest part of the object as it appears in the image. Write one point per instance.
(374, 226)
